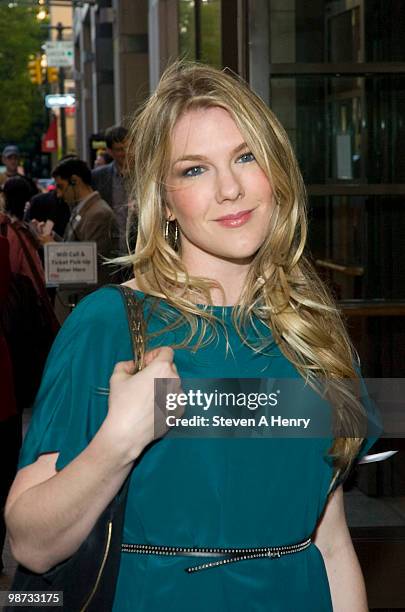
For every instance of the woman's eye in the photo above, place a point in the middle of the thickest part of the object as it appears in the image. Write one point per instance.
(194, 171)
(246, 157)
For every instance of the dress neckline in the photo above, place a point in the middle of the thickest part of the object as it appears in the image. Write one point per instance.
(209, 307)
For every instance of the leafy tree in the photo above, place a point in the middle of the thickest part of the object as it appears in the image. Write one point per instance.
(21, 103)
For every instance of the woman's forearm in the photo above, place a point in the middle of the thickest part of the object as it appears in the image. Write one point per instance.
(48, 522)
(346, 580)
(50, 514)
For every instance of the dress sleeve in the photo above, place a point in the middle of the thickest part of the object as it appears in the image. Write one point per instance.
(72, 401)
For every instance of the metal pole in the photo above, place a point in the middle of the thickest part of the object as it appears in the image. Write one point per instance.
(60, 29)
(197, 16)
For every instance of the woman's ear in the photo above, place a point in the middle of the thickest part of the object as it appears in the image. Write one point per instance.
(168, 213)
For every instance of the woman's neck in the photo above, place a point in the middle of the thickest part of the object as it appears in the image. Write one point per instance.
(232, 290)
(231, 276)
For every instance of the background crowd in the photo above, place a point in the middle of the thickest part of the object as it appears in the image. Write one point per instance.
(83, 205)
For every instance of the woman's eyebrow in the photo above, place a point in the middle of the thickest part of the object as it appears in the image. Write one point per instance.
(191, 157)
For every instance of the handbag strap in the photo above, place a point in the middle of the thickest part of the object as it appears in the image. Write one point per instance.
(136, 323)
(137, 332)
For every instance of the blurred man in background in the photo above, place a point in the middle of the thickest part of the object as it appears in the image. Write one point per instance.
(91, 219)
(110, 180)
(11, 158)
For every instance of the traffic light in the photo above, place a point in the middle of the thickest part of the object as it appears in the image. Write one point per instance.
(34, 70)
(53, 74)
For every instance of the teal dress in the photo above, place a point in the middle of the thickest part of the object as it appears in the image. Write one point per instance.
(197, 492)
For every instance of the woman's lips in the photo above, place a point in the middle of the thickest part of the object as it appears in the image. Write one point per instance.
(235, 220)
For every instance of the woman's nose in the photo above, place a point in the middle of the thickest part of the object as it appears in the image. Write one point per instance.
(228, 186)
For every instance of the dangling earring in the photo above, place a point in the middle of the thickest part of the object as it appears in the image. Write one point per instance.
(176, 232)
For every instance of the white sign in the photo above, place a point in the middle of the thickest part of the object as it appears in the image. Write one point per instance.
(70, 263)
(59, 53)
(60, 100)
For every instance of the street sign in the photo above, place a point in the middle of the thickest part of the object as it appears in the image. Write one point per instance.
(60, 100)
(70, 263)
(59, 53)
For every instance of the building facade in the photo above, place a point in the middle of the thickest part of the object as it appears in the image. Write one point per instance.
(111, 66)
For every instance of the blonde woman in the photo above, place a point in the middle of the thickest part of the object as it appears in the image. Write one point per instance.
(227, 293)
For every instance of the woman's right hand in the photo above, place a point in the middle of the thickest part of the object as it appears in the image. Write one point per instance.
(134, 419)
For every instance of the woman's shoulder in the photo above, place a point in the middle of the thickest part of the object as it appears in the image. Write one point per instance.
(18, 230)
(103, 306)
(98, 315)
(103, 310)
(97, 324)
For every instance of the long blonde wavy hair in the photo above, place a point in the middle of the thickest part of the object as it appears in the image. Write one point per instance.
(282, 289)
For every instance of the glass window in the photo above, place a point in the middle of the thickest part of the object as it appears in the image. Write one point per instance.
(200, 31)
(316, 31)
(384, 23)
(357, 244)
(344, 42)
(210, 30)
(187, 29)
(344, 129)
